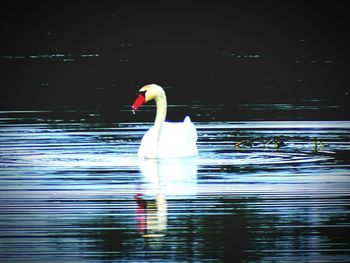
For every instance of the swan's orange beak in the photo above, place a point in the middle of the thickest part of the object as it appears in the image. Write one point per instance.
(138, 102)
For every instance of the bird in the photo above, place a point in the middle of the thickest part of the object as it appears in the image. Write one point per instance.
(165, 139)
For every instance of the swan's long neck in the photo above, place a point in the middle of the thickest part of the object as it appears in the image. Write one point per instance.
(161, 112)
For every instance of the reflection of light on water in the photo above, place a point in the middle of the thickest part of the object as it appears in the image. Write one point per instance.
(73, 160)
(77, 190)
(151, 215)
(172, 173)
(163, 179)
(259, 157)
(173, 177)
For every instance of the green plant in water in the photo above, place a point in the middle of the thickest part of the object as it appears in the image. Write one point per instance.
(277, 142)
(318, 145)
(245, 143)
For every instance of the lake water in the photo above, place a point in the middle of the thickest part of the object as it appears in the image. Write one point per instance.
(72, 189)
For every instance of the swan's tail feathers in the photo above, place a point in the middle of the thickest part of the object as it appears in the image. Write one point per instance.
(191, 134)
(187, 119)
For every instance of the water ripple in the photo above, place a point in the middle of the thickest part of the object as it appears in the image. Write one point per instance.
(76, 191)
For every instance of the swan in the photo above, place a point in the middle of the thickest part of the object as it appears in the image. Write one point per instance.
(165, 139)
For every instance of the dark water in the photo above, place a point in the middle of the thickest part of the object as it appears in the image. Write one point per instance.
(72, 189)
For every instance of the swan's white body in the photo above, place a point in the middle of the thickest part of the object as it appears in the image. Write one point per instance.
(177, 139)
(166, 139)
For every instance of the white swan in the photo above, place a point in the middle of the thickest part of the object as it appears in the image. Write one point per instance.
(165, 139)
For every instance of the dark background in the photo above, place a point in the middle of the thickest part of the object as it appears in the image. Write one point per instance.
(93, 54)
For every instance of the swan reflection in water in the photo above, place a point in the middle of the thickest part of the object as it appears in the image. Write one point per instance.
(163, 179)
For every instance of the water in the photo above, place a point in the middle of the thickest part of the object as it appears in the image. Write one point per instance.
(265, 84)
(72, 189)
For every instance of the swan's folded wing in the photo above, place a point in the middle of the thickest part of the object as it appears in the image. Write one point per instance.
(179, 139)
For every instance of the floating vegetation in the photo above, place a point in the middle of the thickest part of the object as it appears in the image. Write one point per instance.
(244, 143)
(318, 145)
(278, 142)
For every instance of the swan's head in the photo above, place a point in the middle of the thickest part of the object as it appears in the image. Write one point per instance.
(147, 93)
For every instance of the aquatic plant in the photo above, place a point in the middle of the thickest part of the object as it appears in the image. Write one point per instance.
(278, 142)
(244, 143)
(318, 145)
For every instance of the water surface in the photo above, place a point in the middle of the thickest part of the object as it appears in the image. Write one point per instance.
(73, 189)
